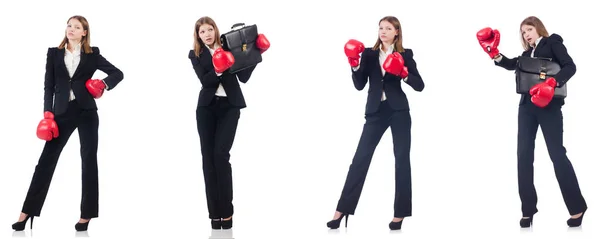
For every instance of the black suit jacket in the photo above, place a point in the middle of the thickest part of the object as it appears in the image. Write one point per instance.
(205, 71)
(548, 47)
(57, 83)
(370, 71)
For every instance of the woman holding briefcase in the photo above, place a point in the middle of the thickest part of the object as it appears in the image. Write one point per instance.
(540, 108)
(384, 66)
(217, 115)
(69, 103)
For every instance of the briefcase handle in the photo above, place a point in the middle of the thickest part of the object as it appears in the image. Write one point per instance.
(238, 25)
(543, 58)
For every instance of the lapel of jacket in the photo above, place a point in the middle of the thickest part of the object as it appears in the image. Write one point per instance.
(539, 46)
(82, 61)
(378, 66)
(207, 57)
(61, 61)
(60, 58)
(542, 42)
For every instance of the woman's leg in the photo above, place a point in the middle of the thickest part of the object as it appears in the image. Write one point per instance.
(527, 130)
(44, 170)
(401, 134)
(227, 123)
(88, 123)
(206, 122)
(373, 129)
(551, 122)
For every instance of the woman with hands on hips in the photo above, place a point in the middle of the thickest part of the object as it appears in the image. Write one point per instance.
(384, 66)
(69, 104)
(217, 115)
(540, 108)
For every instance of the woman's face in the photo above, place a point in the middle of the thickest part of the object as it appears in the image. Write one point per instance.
(207, 34)
(530, 34)
(387, 32)
(75, 31)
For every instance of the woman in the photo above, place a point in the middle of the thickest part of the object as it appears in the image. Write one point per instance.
(385, 67)
(217, 115)
(540, 108)
(69, 103)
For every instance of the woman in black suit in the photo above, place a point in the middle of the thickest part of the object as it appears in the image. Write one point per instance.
(540, 108)
(217, 115)
(385, 67)
(69, 103)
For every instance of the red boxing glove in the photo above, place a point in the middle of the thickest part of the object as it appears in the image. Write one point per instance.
(95, 87)
(489, 40)
(47, 128)
(222, 60)
(394, 64)
(262, 43)
(542, 93)
(353, 48)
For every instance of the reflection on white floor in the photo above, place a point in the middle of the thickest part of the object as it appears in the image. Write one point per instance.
(221, 234)
(82, 234)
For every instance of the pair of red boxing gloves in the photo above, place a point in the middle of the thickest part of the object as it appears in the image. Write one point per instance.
(222, 59)
(541, 93)
(393, 64)
(48, 129)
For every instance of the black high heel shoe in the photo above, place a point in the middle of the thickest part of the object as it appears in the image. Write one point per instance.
(20, 226)
(575, 222)
(396, 225)
(526, 222)
(227, 224)
(215, 224)
(82, 226)
(335, 224)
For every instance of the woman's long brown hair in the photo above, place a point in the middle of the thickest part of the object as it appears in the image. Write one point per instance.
(197, 41)
(539, 27)
(397, 39)
(85, 40)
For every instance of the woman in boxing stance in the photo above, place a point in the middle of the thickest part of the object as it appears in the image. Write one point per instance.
(385, 67)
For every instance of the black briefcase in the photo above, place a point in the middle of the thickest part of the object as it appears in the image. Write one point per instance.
(531, 71)
(242, 44)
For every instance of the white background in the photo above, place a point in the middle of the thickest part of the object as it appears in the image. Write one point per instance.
(299, 133)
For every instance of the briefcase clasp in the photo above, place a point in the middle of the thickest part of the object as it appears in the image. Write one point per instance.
(543, 75)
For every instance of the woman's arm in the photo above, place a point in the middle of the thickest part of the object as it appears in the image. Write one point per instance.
(114, 75)
(414, 78)
(207, 78)
(360, 74)
(245, 74)
(567, 66)
(506, 63)
(49, 81)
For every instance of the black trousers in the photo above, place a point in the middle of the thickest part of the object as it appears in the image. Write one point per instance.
(217, 125)
(376, 124)
(86, 122)
(550, 119)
